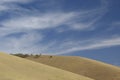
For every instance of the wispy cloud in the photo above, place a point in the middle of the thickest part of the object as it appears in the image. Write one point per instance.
(21, 44)
(117, 23)
(9, 1)
(89, 45)
(29, 44)
(79, 20)
(43, 21)
(87, 19)
(10, 4)
(31, 41)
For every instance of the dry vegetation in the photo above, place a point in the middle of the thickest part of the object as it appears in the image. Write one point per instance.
(82, 66)
(15, 68)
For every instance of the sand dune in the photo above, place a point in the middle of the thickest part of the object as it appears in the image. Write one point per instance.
(83, 66)
(15, 68)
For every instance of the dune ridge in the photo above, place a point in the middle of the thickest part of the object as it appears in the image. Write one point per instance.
(15, 68)
(82, 66)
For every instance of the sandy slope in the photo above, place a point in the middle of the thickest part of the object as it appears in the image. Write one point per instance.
(83, 66)
(15, 68)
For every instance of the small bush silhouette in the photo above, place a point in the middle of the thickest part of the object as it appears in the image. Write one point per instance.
(36, 56)
(51, 56)
(26, 55)
(21, 55)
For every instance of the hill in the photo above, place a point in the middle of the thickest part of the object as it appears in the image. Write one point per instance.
(15, 68)
(111, 57)
(82, 66)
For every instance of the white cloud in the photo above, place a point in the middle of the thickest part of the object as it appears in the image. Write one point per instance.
(117, 23)
(87, 19)
(6, 5)
(21, 44)
(90, 44)
(42, 21)
(32, 43)
(11, 1)
(2, 8)
(80, 20)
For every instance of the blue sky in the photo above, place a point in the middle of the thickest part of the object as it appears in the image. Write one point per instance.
(59, 26)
